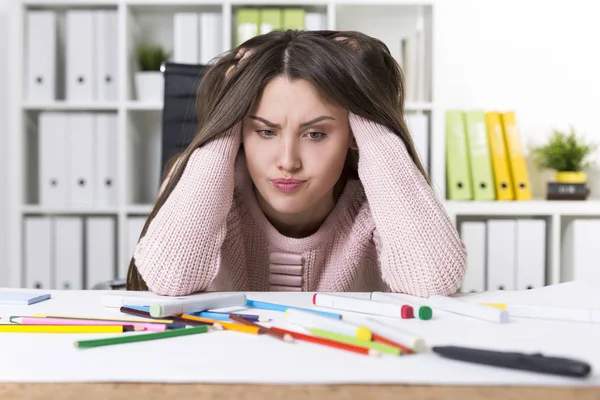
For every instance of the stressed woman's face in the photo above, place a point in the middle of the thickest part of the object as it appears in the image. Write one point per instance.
(295, 146)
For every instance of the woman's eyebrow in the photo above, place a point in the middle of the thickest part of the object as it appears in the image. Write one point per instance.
(302, 125)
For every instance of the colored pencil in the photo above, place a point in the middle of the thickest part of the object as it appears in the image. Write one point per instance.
(148, 320)
(381, 339)
(67, 329)
(225, 325)
(218, 316)
(283, 308)
(278, 335)
(330, 343)
(141, 338)
(383, 348)
(64, 321)
(133, 311)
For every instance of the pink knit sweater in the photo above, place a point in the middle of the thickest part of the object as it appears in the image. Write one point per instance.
(387, 232)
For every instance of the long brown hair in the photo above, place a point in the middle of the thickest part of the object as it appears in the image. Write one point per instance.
(349, 69)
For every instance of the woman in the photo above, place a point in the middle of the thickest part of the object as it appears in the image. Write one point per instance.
(302, 177)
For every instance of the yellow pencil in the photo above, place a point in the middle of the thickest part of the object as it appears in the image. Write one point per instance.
(142, 320)
(67, 328)
(226, 325)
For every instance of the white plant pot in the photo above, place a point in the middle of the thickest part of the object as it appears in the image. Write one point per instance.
(150, 86)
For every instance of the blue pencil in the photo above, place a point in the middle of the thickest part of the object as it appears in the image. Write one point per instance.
(282, 308)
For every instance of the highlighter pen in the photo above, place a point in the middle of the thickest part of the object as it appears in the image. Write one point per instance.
(529, 362)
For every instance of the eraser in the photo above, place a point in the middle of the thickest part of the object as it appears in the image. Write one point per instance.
(406, 312)
(425, 313)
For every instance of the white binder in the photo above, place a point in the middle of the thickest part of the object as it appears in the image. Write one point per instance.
(211, 36)
(105, 171)
(473, 235)
(38, 252)
(315, 21)
(531, 254)
(501, 254)
(186, 38)
(80, 56)
(52, 153)
(100, 255)
(106, 35)
(134, 230)
(68, 253)
(581, 252)
(41, 53)
(81, 159)
(418, 126)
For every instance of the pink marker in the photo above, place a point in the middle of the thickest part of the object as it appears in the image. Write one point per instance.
(65, 321)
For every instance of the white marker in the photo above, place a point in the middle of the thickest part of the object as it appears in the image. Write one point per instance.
(474, 310)
(571, 314)
(197, 303)
(397, 335)
(358, 305)
(118, 301)
(309, 320)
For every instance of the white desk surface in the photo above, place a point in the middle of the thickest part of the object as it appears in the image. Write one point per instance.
(231, 357)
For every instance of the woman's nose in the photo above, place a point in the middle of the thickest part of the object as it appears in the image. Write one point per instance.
(288, 158)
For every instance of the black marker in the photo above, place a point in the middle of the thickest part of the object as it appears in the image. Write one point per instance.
(528, 362)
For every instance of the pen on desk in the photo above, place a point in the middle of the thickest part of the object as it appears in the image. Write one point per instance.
(514, 360)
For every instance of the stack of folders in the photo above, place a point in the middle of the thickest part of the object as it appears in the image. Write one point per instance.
(418, 126)
(81, 45)
(484, 157)
(69, 252)
(415, 60)
(77, 159)
(504, 254)
(250, 22)
(198, 37)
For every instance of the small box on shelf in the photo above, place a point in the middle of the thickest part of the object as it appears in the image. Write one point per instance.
(567, 191)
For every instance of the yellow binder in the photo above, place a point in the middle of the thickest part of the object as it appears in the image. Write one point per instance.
(516, 159)
(502, 179)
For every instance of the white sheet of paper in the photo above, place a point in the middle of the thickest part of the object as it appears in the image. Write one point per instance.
(231, 357)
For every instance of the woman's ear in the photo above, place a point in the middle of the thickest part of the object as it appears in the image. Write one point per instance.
(353, 145)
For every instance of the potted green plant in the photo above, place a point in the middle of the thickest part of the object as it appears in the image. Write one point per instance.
(567, 154)
(149, 81)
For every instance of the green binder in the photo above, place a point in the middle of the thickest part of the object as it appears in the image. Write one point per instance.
(247, 20)
(270, 20)
(293, 18)
(482, 177)
(457, 161)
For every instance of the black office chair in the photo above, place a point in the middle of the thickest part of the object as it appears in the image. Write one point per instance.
(179, 122)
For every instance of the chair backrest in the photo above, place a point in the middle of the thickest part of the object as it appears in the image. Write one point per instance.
(179, 119)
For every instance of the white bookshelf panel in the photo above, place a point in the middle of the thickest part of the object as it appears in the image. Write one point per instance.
(70, 106)
(143, 154)
(153, 23)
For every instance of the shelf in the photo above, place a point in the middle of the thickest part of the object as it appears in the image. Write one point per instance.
(79, 3)
(142, 106)
(36, 209)
(177, 3)
(418, 106)
(65, 106)
(386, 2)
(140, 208)
(516, 208)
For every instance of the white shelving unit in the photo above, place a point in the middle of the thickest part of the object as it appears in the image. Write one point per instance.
(139, 123)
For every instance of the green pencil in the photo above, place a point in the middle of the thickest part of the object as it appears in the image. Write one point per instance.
(384, 348)
(82, 344)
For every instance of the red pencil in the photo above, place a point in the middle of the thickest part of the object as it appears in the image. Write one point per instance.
(381, 339)
(330, 343)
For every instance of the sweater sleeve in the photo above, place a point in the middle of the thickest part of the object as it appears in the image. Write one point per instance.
(180, 252)
(420, 251)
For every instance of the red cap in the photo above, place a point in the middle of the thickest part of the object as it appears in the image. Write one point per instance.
(315, 298)
(406, 312)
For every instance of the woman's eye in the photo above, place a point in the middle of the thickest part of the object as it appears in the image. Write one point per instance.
(265, 133)
(316, 135)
